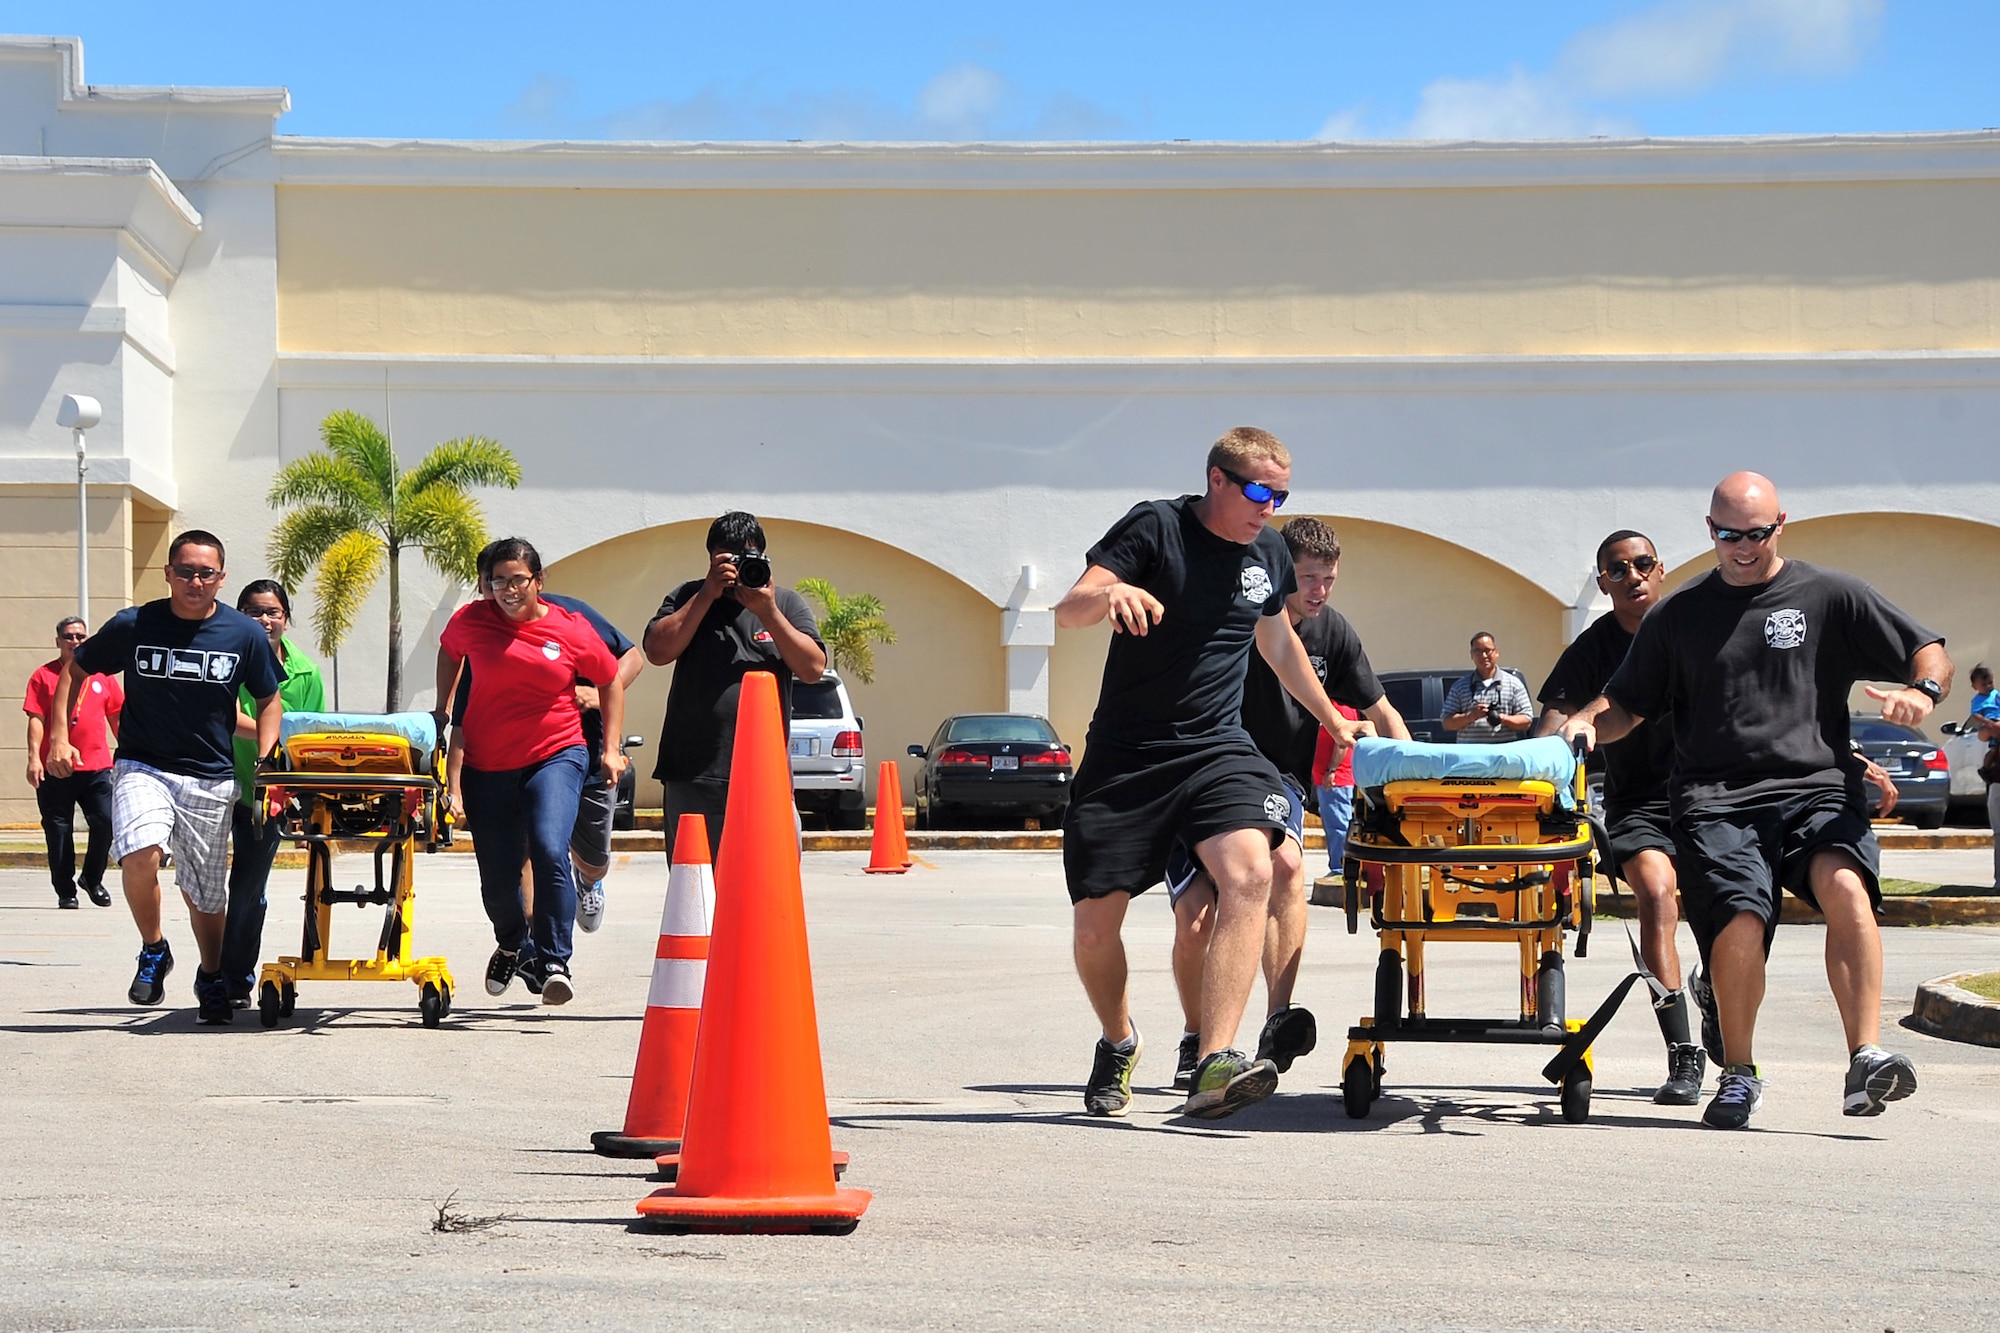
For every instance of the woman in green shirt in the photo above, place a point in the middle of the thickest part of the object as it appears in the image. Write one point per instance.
(253, 846)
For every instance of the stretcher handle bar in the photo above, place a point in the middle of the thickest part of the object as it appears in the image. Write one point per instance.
(347, 781)
(1465, 923)
(1582, 779)
(1477, 854)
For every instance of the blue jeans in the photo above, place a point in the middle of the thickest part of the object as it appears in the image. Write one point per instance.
(1336, 811)
(251, 851)
(527, 812)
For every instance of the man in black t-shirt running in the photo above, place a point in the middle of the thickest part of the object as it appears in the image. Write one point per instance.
(1755, 662)
(1287, 735)
(1188, 586)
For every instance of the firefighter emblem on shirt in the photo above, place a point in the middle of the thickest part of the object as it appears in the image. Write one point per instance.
(1256, 584)
(1785, 629)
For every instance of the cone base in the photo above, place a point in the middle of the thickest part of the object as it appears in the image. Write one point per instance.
(886, 870)
(669, 1163)
(838, 1213)
(613, 1143)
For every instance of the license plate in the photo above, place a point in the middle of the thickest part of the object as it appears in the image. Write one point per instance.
(802, 747)
(1003, 762)
(1895, 766)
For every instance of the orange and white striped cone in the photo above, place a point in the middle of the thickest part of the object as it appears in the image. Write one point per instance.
(661, 1078)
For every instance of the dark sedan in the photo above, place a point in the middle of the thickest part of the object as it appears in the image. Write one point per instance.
(1914, 761)
(1010, 763)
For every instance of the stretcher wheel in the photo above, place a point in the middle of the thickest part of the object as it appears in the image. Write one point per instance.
(288, 998)
(1388, 989)
(431, 1002)
(444, 987)
(1358, 1086)
(1576, 1094)
(269, 1006)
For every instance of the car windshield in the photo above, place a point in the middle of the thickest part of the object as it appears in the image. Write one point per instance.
(1002, 727)
(1874, 729)
(1406, 695)
(817, 702)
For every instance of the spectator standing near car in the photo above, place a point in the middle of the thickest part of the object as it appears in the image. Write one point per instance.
(1333, 780)
(716, 630)
(254, 843)
(1490, 705)
(92, 727)
(1754, 663)
(525, 757)
(173, 783)
(1985, 721)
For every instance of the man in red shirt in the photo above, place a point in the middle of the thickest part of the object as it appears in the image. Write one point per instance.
(93, 722)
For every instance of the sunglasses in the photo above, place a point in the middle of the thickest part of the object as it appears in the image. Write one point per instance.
(72, 638)
(1256, 492)
(1618, 570)
(1730, 535)
(195, 573)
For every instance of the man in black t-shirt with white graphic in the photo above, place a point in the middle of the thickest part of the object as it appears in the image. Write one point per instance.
(1188, 586)
(1754, 662)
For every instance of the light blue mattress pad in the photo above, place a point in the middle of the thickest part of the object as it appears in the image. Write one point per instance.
(1379, 761)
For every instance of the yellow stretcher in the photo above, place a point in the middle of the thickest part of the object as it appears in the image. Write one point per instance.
(373, 780)
(1464, 856)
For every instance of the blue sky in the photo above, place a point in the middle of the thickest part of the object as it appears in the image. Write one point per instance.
(1035, 70)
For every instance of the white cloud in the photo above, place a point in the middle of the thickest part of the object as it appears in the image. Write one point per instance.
(1349, 124)
(1520, 106)
(964, 97)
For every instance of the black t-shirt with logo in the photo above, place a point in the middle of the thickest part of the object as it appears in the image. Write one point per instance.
(1183, 679)
(1278, 723)
(181, 678)
(1757, 680)
(1638, 766)
(699, 734)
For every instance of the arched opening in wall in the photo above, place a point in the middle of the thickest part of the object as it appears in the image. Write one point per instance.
(946, 659)
(1416, 601)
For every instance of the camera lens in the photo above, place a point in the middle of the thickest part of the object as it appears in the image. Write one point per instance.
(753, 570)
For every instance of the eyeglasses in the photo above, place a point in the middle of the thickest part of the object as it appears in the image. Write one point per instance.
(1730, 535)
(195, 573)
(514, 584)
(1617, 570)
(267, 613)
(73, 637)
(1256, 492)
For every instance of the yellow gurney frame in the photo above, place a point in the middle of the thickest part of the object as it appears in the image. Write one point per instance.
(391, 813)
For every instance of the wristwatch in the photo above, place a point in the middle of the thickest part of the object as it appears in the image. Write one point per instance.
(1931, 688)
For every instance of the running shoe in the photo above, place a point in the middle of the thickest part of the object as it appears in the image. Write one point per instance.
(149, 983)
(1711, 1026)
(529, 968)
(1738, 1094)
(1184, 1063)
(66, 902)
(1109, 1091)
(98, 894)
(1874, 1079)
(1685, 1066)
(1226, 1082)
(211, 993)
(1287, 1035)
(590, 905)
(554, 981)
(500, 969)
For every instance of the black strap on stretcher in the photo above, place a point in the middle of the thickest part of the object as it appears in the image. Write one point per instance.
(1580, 1041)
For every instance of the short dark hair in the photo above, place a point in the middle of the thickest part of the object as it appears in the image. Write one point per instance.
(1978, 673)
(735, 531)
(1622, 535)
(1309, 538)
(197, 537)
(1483, 634)
(509, 548)
(260, 588)
(67, 621)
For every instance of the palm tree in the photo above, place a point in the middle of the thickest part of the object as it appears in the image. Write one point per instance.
(850, 626)
(353, 510)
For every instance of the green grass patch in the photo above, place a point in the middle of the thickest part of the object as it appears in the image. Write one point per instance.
(1916, 888)
(1986, 985)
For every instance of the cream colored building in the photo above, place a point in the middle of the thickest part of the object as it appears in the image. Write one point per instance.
(939, 372)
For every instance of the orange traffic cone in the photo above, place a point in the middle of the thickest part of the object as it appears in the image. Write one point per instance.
(889, 853)
(658, 1106)
(757, 1153)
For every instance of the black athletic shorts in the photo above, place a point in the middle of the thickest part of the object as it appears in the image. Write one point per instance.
(1128, 808)
(1638, 828)
(1741, 859)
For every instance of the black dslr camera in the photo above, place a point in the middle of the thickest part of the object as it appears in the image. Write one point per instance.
(753, 570)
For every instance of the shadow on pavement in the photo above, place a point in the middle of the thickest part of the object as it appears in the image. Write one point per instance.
(533, 1019)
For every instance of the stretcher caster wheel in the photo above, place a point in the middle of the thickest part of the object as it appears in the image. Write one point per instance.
(1576, 1095)
(288, 998)
(1388, 989)
(444, 988)
(269, 1006)
(1358, 1086)
(432, 1005)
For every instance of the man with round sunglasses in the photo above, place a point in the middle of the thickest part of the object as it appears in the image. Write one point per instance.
(1189, 585)
(92, 726)
(1636, 772)
(1754, 663)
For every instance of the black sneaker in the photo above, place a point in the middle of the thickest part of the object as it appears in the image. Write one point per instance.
(1226, 1082)
(1874, 1079)
(149, 983)
(552, 981)
(211, 993)
(1711, 1026)
(66, 902)
(1184, 1063)
(500, 969)
(1685, 1066)
(98, 894)
(1738, 1094)
(1287, 1035)
(1109, 1091)
(529, 969)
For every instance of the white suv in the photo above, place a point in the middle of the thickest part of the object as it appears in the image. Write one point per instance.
(828, 772)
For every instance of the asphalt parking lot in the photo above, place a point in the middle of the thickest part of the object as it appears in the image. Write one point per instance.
(159, 1175)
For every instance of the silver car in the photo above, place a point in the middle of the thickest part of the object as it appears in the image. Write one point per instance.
(829, 773)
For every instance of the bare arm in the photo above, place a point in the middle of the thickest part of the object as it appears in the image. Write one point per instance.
(1600, 722)
(1100, 594)
(454, 768)
(1388, 722)
(448, 668)
(669, 635)
(270, 712)
(246, 725)
(1280, 646)
(1910, 707)
(629, 666)
(611, 710)
(62, 755)
(34, 751)
(797, 648)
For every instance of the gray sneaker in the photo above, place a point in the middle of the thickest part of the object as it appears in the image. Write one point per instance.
(1711, 1025)
(1874, 1079)
(1228, 1081)
(1109, 1091)
(590, 905)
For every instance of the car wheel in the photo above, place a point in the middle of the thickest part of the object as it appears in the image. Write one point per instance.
(841, 817)
(1928, 819)
(939, 816)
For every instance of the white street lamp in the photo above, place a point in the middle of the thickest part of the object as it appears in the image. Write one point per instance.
(80, 413)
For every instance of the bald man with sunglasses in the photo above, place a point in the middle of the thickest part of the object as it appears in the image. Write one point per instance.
(1754, 663)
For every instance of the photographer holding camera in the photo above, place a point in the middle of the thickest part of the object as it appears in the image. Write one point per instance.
(717, 630)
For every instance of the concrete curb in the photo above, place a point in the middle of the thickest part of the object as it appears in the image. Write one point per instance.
(1945, 1009)
(1896, 910)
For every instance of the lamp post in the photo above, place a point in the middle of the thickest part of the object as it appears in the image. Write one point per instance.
(80, 413)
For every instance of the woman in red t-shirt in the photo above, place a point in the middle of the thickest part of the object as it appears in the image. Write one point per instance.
(525, 756)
